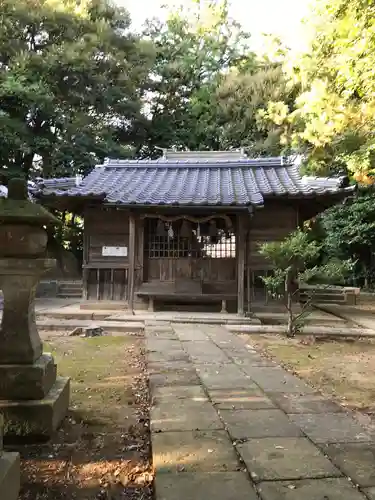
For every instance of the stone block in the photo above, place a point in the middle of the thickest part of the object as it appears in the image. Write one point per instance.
(204, 486)
(173, 377)
(370, 493)
(184, 415)
(258, 423)
(174, 392)
(28, 381)
(193, 451)
(331, 428)
(251, 398)
(36, 419)
(275, 379)
(309, 489)
(226, 376)
(308, 403)
(274, 459)
(9, 476)
(356, 460)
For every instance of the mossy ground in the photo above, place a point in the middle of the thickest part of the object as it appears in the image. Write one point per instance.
(344, 370)
(102, 450)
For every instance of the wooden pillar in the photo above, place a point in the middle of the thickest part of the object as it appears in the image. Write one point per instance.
(85, 270)
(141, 249)
(241, 258)
(85, 283)
(132, 252)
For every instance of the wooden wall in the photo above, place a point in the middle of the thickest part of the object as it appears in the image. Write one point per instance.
(105, 278)
(271, 223)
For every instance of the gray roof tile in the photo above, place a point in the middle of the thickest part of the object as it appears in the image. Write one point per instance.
(237, 182)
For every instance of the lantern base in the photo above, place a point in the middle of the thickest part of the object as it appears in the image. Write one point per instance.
(36, 420)
(27, 382)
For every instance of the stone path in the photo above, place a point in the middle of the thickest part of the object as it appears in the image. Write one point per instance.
(228, 424)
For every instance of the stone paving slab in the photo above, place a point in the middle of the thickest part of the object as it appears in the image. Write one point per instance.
(370, 493)
(285, 458)
(196, 451)
(165, 333)
(214, 397)
(205, 486)
(310, 489)
(205, 352)
(174, 377)
(300, 403)
(162, 345)
(189, 392)
(160, 366)
(251, 398)
(275, 379)
(242, 424)
(190, 333)
(64, 325)
(356, 460)
(331, 428)
(184, 416)
(252, 360)
(227, 376)
(167, 356)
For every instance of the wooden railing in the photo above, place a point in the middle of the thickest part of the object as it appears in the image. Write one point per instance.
(105, 282)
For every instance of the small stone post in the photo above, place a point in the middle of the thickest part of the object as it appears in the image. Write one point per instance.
(9, 471)
(33, 400)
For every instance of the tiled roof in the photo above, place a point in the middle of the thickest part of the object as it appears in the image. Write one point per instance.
(225, 181)
(58, 184)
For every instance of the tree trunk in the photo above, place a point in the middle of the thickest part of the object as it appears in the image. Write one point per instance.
(27, 164)
(289, 305)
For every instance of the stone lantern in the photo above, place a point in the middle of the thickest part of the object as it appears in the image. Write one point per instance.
(33, 400)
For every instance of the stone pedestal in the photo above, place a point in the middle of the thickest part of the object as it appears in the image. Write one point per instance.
(9, 471)
(33, 400)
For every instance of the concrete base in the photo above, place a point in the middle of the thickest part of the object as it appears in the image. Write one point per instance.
(9, 476)
(103, 305)
(28, 381)
(36, 420)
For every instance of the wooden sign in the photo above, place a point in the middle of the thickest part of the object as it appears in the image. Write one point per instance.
(114, 251)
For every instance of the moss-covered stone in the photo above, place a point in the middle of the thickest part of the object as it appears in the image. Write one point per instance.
(38, 419)
(27, 382)
(18, 208)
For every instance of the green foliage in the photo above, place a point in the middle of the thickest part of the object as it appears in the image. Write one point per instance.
(333, 122)
(243, 103)
(194, 48)
(349, 232)
(70, 80)
(294, 262)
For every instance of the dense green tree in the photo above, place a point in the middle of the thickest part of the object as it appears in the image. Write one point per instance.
(333, 121)
(294, 262)
(71, 80)
(242, 101)
(349, 232)
(194, 49)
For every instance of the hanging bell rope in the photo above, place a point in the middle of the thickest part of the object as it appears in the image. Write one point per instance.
(160, 228)
(212, 231)
(185, 231)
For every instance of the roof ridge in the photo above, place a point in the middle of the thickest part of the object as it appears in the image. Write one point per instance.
(204, 163)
